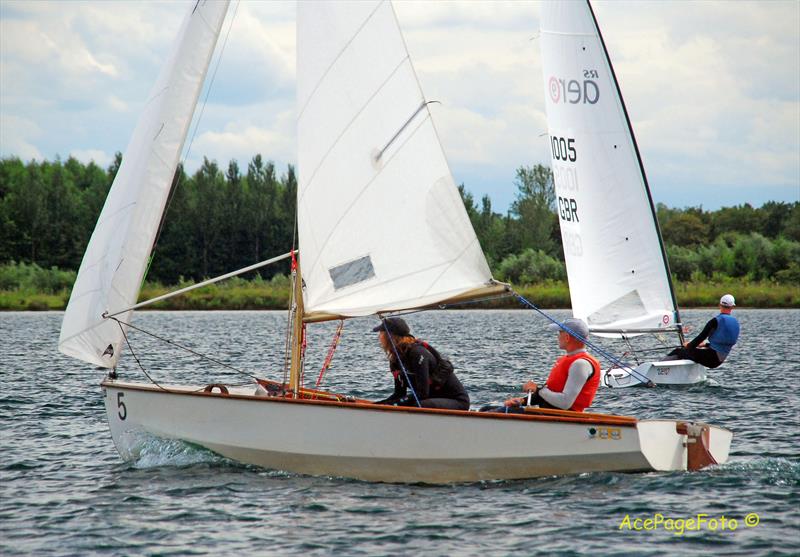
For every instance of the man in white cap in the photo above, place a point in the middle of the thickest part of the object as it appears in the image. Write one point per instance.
(574, 379)
(722, 333)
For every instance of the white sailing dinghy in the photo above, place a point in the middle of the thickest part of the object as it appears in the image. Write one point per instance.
(617, 268)
(369, 160)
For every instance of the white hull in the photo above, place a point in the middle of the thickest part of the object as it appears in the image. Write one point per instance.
(395, 444)
(672, 372)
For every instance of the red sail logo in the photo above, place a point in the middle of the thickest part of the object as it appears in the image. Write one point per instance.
(572, 91)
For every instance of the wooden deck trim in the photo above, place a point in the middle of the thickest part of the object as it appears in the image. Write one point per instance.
(535, 415)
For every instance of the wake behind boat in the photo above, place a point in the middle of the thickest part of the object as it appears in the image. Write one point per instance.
(370, 164)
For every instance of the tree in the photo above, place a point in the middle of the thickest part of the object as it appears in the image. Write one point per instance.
(534, 208)
(685, 229)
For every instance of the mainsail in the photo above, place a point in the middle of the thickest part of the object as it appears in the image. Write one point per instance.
(380, 221)
(616, 264)
(114, 264)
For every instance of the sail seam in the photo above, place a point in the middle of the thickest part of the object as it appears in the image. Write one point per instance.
(336, 59)
(452, 262)
(355, 117)
(362, 190)
(566, 34)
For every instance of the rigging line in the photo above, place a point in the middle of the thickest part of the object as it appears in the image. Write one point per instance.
(329, 358)
(198, 285)
(176, 179)
(586, 341)
(400, 361)
(291, 313)
(135, 357)
(446, 306)
(186, 348)
(657, 348)
(631, 349)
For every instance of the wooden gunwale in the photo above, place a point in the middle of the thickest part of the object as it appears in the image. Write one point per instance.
(535, 415)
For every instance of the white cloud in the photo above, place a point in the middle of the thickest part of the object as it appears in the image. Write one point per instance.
(100, 158)
(17, 137)
(711, 87)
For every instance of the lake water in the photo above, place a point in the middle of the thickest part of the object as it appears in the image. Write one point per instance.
(65, 491)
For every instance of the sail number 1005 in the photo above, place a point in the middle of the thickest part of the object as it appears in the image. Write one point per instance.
(563, 149)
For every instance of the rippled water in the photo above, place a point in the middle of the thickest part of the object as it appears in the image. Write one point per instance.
(65, 491)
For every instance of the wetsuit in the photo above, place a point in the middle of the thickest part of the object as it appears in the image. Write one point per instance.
(722, 332)
(420, 363)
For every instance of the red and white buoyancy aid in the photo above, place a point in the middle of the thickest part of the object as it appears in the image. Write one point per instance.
(560, 372)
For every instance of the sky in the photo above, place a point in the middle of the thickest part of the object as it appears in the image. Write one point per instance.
(712, 88)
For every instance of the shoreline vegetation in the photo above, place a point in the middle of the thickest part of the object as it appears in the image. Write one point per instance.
(273, 294)
(220, 219)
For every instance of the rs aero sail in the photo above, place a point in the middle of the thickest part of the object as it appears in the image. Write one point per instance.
(369, 158)
(619, 278)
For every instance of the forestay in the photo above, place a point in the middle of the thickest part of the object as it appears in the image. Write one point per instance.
(114, 264)
(381, 223)
(616, 265)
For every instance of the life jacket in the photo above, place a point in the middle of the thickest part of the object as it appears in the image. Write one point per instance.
(560, 372)
(725, 335)
(444, 367)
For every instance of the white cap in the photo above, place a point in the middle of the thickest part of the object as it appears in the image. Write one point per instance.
(727, 301)
(573, 324)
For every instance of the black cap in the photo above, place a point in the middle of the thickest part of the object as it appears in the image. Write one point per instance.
(394, 325)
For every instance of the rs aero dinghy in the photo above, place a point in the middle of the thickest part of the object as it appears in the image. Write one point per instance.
(619, 279)
(368, 158)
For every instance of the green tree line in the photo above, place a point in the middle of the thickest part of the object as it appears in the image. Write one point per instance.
(217, 221)
(220, 220)
(741, 242)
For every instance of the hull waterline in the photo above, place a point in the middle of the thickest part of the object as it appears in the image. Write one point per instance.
(391, 444)
(670, 372)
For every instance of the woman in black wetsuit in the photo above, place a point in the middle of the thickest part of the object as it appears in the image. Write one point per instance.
(431, 376)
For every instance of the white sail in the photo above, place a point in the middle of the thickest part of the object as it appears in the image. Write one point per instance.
(381, 224)
(616, 265)
(114, 264)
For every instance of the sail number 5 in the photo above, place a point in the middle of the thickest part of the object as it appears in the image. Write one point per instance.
(123, 410)
(563, 149)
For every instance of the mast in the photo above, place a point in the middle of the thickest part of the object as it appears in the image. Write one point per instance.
(296, 365)
(644, 175)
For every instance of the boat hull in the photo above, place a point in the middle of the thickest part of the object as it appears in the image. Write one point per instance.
(390, 444)
(670, 372)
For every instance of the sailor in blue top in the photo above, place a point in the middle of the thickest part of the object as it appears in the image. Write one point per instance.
(722, 332)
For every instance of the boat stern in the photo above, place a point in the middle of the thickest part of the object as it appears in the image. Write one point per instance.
(675, 445)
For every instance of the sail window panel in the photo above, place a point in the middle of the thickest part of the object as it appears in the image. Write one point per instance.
(398, 221)
(352, 272)
(330, 202)
(356, 75)
(618, 310)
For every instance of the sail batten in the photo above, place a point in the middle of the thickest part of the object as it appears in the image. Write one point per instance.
(616, 266)
(374, 231)
(116, 257)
